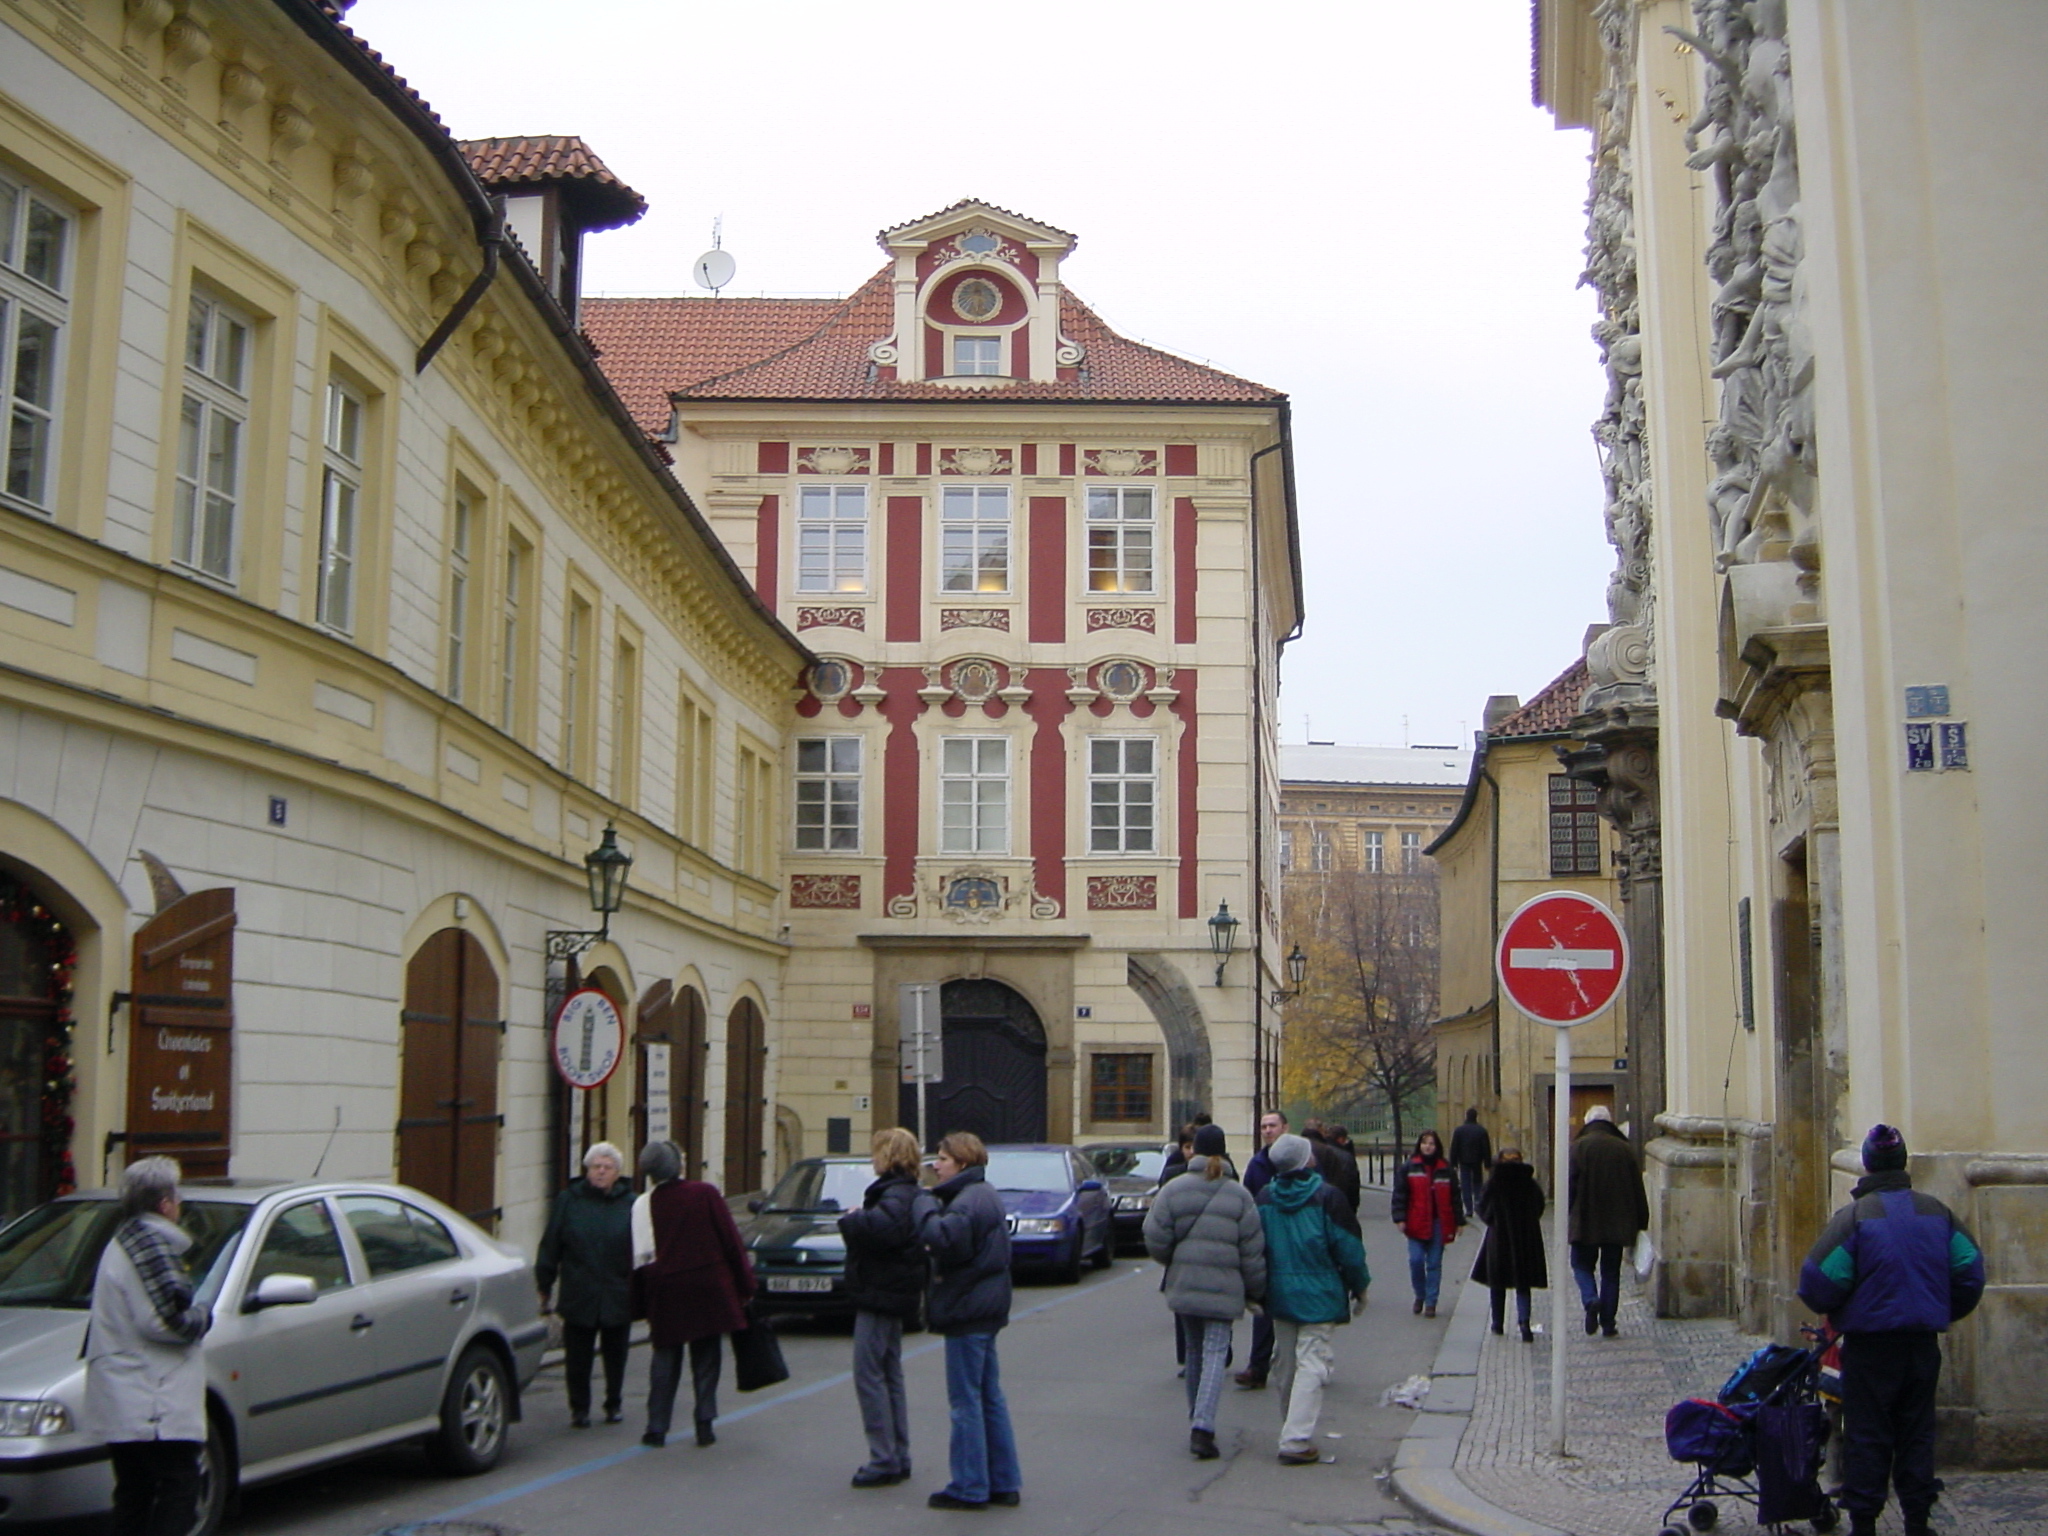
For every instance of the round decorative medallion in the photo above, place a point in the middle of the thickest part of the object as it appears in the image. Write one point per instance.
(977, 299)
(1123, 680)
(975, 680)
(830, 680)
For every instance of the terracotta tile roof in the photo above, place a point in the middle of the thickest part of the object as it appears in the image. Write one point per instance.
(802, 350)
(1552, 711)
(601, 199)
(652, 346)
(973, 202)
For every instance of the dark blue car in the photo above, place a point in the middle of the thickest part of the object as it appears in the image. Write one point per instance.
(1059, 1212)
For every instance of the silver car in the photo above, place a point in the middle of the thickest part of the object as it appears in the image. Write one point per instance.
(347, 1316)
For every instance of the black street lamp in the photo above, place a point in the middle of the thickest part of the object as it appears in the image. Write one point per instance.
(605, 866)
(1297, 977)
(1222, 937)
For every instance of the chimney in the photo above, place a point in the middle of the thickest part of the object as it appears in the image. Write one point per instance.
(1498, 708)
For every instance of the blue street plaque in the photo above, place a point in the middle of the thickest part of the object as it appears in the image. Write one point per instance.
(1084, 1011)
(1919, 748)
(279, 810)
(1955, 743)
(1923, 703)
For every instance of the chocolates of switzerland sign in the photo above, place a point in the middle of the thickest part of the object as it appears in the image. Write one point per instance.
(181, 1038)
(589, 1037)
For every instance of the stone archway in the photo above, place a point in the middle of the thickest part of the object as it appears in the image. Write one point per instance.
(1172, 1001)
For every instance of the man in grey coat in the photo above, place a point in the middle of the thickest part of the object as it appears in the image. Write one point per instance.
(145, 1378)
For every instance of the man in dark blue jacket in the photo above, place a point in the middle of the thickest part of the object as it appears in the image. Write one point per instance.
(1892, 1270)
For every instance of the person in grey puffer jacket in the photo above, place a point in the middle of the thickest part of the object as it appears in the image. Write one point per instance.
(1205, 1228)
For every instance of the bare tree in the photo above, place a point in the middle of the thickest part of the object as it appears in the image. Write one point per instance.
(1361, 1034)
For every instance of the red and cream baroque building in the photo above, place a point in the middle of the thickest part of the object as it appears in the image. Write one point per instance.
(1048, 573)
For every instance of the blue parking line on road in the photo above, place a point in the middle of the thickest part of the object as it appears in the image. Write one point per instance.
(602, 1463)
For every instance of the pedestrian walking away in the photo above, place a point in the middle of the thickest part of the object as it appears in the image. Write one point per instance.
(692, 1282)
(1425, 1207)
(962, 1225)
(886, 1274)
(1511, 1254)
(1315, 1279)
(1176, 1165)
(1472, 1157)
(1258, 1173)
(145, 1373)
(1892, 1269)
(586, 1260)
(1204, 1227)
(1338, 1168)
(1606, 1209)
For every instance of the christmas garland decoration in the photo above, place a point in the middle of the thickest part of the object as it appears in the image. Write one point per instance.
(19, 909)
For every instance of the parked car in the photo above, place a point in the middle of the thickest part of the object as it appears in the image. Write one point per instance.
(1058, 1208)
(793, 1236)
(1130, 1173)
(347, 1317)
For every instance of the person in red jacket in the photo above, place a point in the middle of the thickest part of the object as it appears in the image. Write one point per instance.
(692, 1284)
(1426, 1208)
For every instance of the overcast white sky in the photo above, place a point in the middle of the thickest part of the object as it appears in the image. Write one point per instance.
(1350, 200)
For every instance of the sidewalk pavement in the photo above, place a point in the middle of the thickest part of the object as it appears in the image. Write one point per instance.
(1476, 1458)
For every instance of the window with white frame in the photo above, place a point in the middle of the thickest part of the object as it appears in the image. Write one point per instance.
(461, 529)
(512, 632)
(1286, 849)
(213, 419)
(1319, 849)
(832, 538)
(1120, 538)
(1123, 794)
(978, 355)
(974, 538)
(1411, 852)
(828, 794)
(341, 497)
(35, 286)
(974, 794)
(1374, 846)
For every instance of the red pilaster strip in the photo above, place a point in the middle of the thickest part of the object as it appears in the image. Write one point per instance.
(1027, 459)
(1183, 570)
(768, 547)
(1180, 458)
(900, 781)
(1048, 708)
(1048, 566)
(903, 598)
(1189, 819)
(1067, 457)
(885, 459)
(771, 459)
(924, 458)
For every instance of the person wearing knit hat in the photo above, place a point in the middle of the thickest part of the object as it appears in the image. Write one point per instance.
(1892, 1270)
(1315, 1279)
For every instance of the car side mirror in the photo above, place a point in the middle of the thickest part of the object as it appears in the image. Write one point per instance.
(1087, 1184)
(757, 1205)
(282, 1291)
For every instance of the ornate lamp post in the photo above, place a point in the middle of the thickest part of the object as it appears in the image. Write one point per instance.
(1222, 937)
(1297, 977)
(606, 867)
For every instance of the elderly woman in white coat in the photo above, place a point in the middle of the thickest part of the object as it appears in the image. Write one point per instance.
(1205, 1228)
(145, 1376)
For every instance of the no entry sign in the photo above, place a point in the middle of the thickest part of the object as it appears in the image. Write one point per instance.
(1562, 957)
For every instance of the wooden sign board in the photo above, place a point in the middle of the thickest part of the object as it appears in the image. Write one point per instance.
(181, 1035)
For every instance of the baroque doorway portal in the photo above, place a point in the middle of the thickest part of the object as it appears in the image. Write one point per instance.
(995, 1067)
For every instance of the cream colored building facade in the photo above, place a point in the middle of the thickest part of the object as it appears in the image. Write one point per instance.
(1372, 809)
(1523, 827)
(373, 643)
(1816, 245)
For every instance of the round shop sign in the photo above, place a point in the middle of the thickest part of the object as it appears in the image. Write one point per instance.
(589, 1038)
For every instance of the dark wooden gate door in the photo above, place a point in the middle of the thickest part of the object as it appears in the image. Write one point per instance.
(746, 1097)
(995, 1067)
(448, 1099)
(33, 947)
(180, 1058)
(686, 1067)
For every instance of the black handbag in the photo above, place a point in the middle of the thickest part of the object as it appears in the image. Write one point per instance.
(757, 1356)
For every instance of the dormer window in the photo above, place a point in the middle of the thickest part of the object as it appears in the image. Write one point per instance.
(978, 355)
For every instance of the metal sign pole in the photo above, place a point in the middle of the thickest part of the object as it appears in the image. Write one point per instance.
(1560, 1232)
(923, 996)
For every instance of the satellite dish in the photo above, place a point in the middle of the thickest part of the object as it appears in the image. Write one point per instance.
(714, 269)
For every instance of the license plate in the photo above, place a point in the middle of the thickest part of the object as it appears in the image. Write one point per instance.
(799, 1282)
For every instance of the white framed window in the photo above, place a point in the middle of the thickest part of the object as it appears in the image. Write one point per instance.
(978, 356)
(512, 633)
(461, 529)
(341, 498)
(828, 794)
(832, 538)
(1374, 847)
(35, 285)
(1286, 849)
(974, 794)
(1120, 539)
(1411, 852)
(213, 420)
(1319, 849)
(1123, 794)
(576, 662)
(974, 538)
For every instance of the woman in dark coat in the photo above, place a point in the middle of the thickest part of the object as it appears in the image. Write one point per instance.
(1511, 1257)
(692, 1284)
(588, 1249)
(886, 1273)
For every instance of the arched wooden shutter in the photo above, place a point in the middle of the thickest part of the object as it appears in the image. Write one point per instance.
(448, 1097)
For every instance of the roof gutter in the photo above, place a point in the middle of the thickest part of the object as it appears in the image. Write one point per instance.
(341, 45)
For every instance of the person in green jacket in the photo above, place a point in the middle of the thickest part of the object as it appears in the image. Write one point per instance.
(1315, 1279)
(588, 1247)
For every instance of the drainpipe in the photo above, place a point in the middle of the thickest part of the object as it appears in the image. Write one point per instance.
(490, 234)
(1258, 742)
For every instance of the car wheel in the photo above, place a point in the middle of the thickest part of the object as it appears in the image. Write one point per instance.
(216, 1481)
(1106, 1254)
(474, 1413)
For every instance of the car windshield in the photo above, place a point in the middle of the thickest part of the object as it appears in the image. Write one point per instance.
(1127, 1162)
(1030, 1172)
(822, 1187)
(50, 1256)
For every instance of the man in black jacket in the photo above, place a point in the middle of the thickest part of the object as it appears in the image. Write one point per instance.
(1338, 1168)
(1471, 1158)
